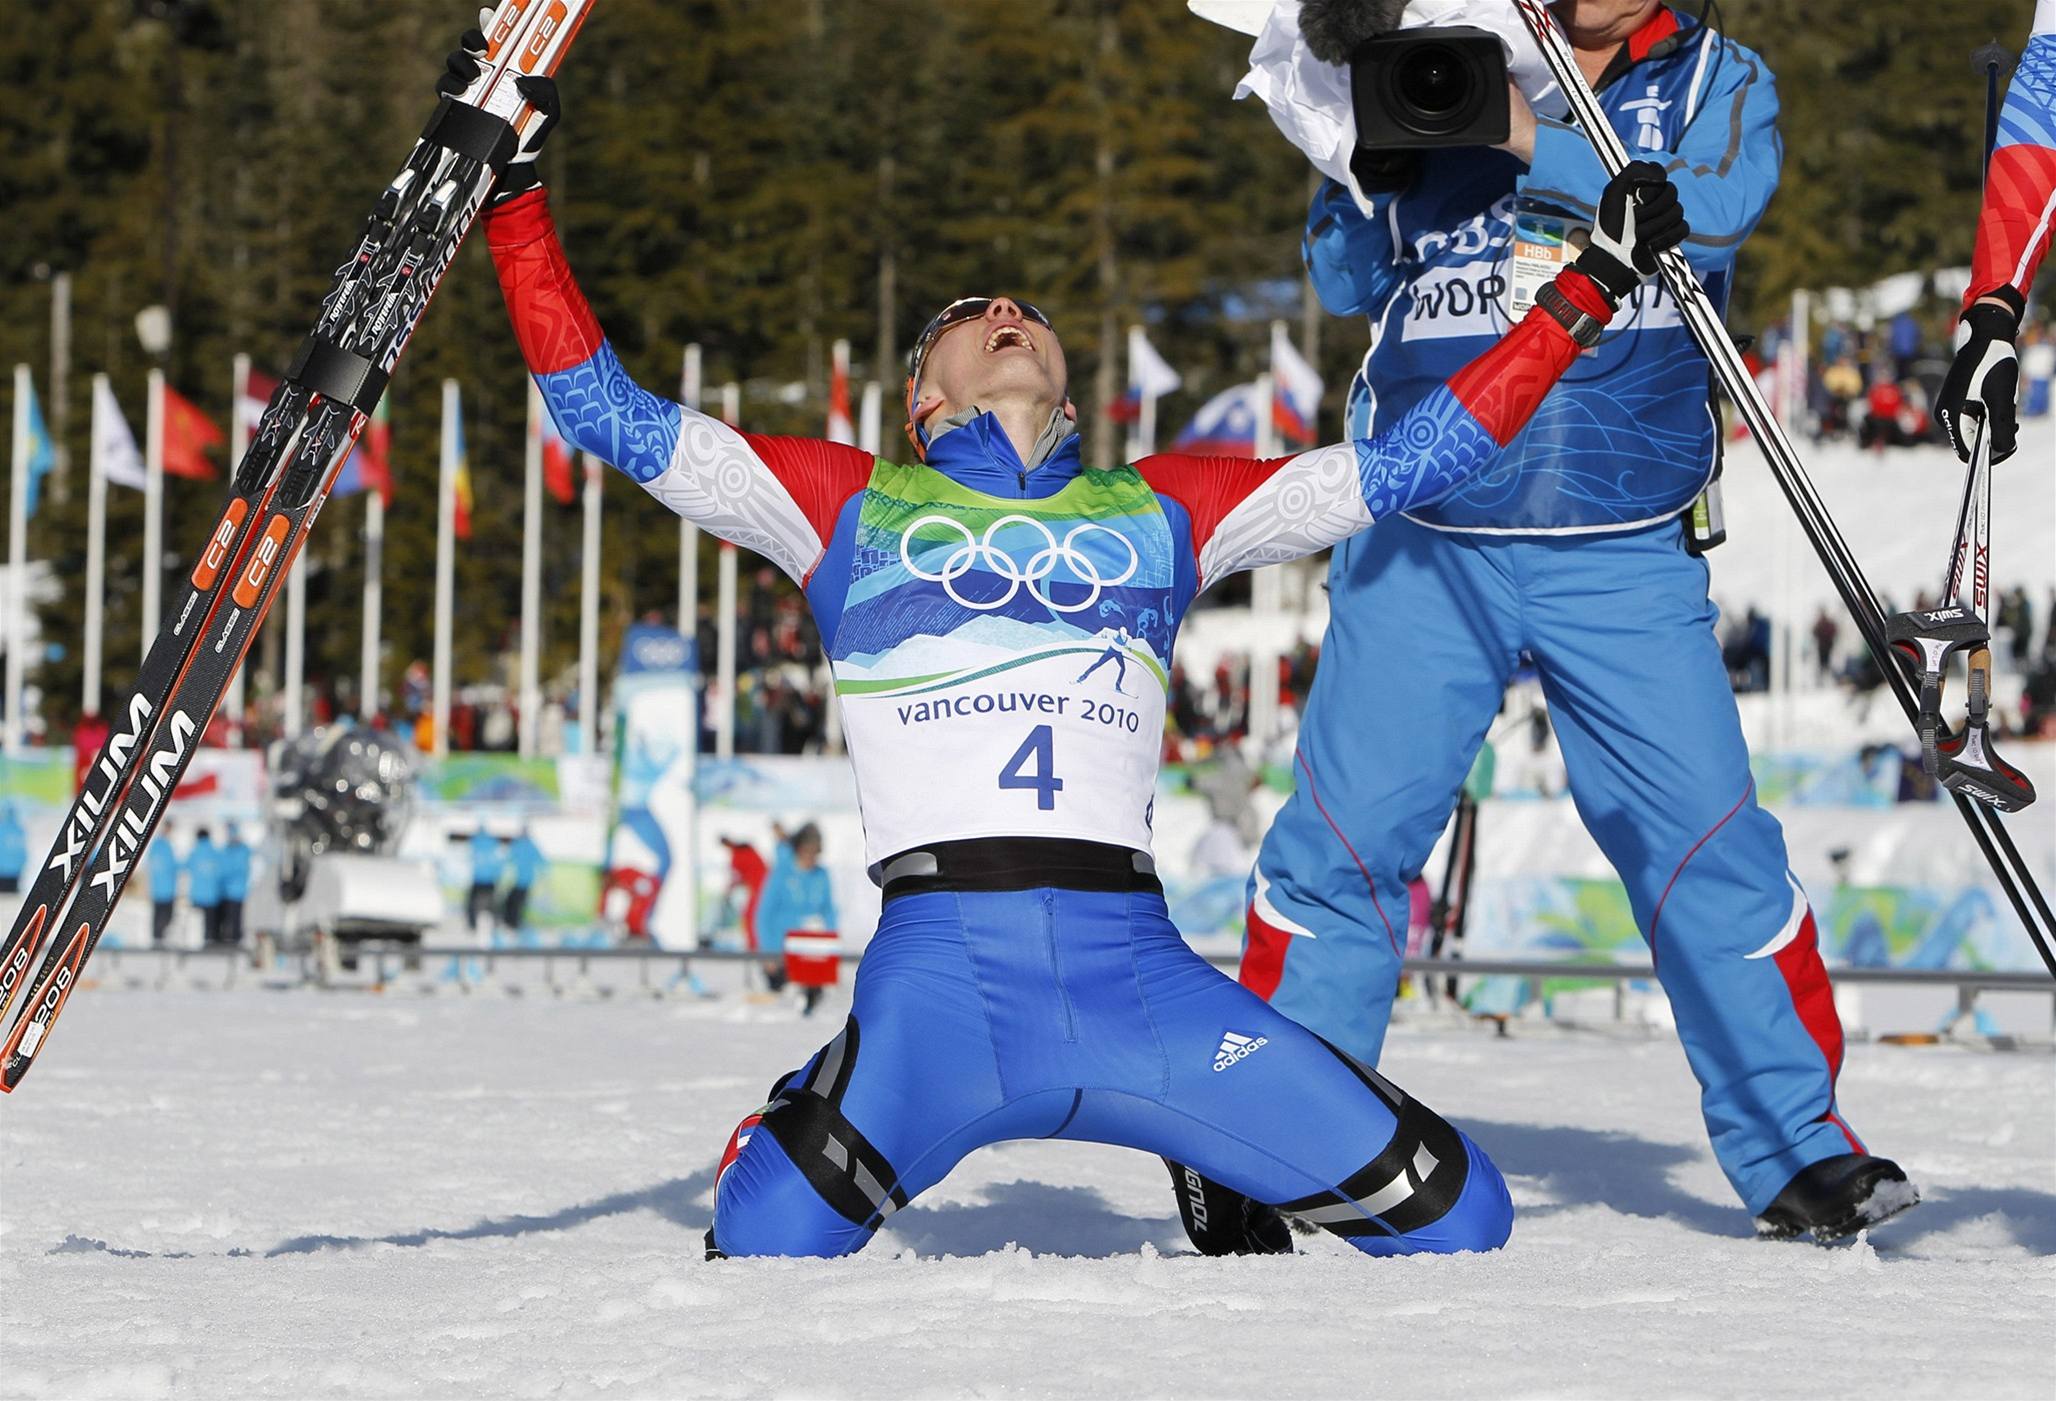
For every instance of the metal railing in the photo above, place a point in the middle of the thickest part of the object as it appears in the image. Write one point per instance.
(385, 954)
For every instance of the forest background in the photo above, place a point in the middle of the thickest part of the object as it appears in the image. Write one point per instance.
(764, 177)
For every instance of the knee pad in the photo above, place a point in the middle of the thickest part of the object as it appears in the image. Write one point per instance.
(805, 1119)
(1429, 1189)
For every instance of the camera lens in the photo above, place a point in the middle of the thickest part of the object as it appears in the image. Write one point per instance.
(1432, 84)
(1435, 89)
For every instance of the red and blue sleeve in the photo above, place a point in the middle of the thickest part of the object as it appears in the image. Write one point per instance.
(2020, 185)
(776, 496)
(1241, 513)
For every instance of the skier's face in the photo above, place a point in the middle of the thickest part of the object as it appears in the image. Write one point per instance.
(1000, 355)
(1591, 23)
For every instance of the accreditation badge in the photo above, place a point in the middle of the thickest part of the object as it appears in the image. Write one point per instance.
(1543, 241)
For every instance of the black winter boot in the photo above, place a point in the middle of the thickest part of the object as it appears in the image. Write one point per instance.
(1837, 1197)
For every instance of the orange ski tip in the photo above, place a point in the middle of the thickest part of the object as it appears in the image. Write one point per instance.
(13, 975)
(53, 990)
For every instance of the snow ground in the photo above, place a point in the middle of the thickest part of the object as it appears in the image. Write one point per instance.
(266, 1193)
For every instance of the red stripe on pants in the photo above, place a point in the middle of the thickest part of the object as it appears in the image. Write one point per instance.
(1263, 956)
(1813, 997)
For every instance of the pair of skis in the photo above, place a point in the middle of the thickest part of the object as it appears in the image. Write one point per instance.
(2011, 871)
(310, 424)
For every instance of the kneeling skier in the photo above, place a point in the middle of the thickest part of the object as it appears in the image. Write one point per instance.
(1025, 980)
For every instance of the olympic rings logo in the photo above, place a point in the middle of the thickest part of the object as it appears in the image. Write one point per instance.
(983, 552)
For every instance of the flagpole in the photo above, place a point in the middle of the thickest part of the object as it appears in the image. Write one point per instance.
(871, 419)
(589, 615)
(239, 434)
(1134, 449)
(17, 560)
(688, 534)
(531, 699)
(96, 550)
(153, 508)
(689, 389)
(1264, 591)
(724, 613)
(374, 602)
(445, 569)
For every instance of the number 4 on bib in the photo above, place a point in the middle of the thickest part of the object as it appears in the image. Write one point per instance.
(1039, 749)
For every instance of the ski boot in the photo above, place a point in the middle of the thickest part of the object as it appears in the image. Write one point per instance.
(1836, 1197)
(1927, 640)
(1219, 1221)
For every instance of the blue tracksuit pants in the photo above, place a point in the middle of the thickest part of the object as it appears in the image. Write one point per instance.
(1072, 1014)
(1426, 630)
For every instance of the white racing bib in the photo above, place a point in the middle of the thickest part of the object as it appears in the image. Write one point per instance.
(1001, 663)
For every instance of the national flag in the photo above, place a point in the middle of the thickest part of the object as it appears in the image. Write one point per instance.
(461, 483)
(1296, 400)
(842, 427)
(42, 451)
(1225, 425)
(114, 446)
(370, 464)
(188, 434)
(558, 479)
(1150, 376)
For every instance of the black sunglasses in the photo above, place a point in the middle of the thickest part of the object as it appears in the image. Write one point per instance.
(956, 314)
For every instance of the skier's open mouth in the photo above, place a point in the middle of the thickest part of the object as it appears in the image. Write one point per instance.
(1005, 337)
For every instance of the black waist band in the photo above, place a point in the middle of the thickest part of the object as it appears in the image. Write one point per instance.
(1020, 863)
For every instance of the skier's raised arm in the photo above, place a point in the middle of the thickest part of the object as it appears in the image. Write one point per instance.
(2012, 239)
(775, 495)
(1247, 513)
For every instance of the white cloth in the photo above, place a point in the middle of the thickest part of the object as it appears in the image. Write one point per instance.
(1309, 99)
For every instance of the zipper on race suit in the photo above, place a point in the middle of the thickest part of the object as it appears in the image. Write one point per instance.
(1056, 963)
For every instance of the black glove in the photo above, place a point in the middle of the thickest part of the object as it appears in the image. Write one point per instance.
(1639, 218)
(1984, 379)
(461, 70)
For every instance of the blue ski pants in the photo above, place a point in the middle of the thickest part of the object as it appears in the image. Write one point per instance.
(1426, 629)
(1058, 1013)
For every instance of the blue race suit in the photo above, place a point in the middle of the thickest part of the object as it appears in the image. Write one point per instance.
(1567, 550)
(958, 598)
(791, 897)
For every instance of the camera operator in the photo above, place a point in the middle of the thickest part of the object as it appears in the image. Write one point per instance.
(1577, 550)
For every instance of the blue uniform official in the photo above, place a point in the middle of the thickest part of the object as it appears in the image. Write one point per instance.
(525, 859)
(488, 860)
(235, 886)
(14, 849)
(164, 870)
(203, 884)
(1568, 550)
